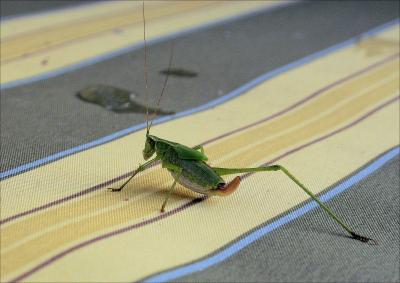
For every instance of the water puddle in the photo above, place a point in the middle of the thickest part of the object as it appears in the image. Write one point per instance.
(115, 99)
(376, 46)
(177, 72)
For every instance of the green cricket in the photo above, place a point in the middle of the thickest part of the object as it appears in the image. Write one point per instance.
(188, 166)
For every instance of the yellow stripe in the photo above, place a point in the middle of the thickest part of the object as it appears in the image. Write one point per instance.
(51, 241)
(44, 244)
(34, 22)
(181, 239)
(27, 44)
(321, 125)
(72, 42)
(60, 178)
(236, 143)
(112, 159)
(326, 101)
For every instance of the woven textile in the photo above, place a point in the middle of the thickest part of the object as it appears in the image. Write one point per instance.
(305, 85)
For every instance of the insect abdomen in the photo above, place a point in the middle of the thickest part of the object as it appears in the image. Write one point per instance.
(190, 184)
(197, 176)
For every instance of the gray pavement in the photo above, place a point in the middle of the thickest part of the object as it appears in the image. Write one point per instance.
(13, 8)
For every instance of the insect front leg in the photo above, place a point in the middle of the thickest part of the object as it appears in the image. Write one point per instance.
(227, 171)
(139, 169)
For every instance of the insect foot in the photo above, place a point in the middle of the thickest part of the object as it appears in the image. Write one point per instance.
(115, 189)
(364, 239)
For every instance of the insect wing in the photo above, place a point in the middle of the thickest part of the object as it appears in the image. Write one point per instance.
(185, 152)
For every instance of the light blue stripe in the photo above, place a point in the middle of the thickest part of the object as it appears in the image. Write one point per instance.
(134, 47)
(242, 89)
(236, 247)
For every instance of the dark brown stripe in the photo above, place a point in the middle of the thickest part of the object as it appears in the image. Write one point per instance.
(189, 204)
(280, 113)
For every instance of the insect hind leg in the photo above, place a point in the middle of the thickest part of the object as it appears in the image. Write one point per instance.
(227, 171)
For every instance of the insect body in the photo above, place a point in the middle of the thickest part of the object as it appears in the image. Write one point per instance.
(189, 168)
(186, 165)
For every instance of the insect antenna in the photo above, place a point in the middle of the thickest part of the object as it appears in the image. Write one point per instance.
(145, 72)
(171, 56)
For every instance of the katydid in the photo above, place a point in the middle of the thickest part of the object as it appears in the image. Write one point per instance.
(188, 166)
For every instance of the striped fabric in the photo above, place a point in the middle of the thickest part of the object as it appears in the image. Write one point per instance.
(324, 117)
(38, 47)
